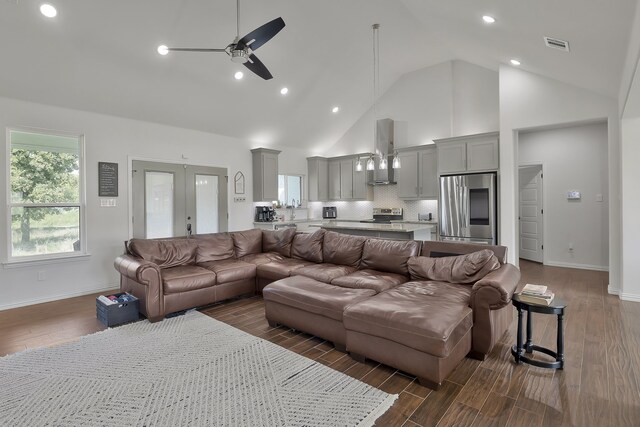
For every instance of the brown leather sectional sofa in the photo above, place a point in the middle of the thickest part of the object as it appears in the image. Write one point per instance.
(412, 305)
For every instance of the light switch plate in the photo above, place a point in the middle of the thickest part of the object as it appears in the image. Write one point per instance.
(599, 197)
(239, 199)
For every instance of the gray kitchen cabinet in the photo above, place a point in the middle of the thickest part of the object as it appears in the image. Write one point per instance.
(334, 180)
(346, 179)
(318, 179)
(345, 183)
(265, 174)
(482, 154)
(472, 153)
(418, 176)
(361, 188)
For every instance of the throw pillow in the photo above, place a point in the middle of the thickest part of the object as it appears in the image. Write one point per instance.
(278, 241)
(308, 246)
(467, 269)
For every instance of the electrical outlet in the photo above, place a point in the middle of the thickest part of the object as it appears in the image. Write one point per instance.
(239, 199)
(41, 276)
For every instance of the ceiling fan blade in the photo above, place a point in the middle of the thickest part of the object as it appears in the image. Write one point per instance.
(193, 49)
(261, 35)
(255, 65)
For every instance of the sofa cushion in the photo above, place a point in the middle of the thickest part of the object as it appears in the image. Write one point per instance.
(230, 270)
(308, 246)
(467, 268)
(312, 296)
(370, 279)
(280, 269)
(213, 247)
(323, 272)
(263, 258)
(278, 241)
(427, 316)
(389, 255)
(342, 249)
(185, 278)
(165, 252)
(247, 242)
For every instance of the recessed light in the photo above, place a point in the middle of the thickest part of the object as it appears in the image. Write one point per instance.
(488, 19)
(48, 10)
(238, 75)
(515, 62)
(335, 109)
(284, 91)
(163, 50)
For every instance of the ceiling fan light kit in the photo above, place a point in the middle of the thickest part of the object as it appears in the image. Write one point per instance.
(241, 49)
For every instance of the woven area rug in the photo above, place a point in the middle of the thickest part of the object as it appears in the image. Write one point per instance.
(187, 370)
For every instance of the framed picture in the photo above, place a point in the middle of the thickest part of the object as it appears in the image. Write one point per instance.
(238, 182)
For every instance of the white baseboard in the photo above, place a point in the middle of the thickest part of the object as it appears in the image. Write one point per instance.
(612, 290)
(578, 266)
(56, 297)
(630, 297)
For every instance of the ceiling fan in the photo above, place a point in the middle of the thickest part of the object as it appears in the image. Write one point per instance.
(241, 49)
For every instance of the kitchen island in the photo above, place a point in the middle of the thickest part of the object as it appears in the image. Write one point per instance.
(401, 231)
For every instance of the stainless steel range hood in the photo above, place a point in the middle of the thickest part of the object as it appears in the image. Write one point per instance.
(385, 144)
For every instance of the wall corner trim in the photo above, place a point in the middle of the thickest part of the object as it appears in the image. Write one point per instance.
(613, 290)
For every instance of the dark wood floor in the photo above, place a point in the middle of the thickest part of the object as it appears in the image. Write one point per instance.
(598, 387)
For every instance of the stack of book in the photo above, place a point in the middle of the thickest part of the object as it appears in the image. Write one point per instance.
(536, 294)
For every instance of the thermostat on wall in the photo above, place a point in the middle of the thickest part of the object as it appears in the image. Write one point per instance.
(573, 195)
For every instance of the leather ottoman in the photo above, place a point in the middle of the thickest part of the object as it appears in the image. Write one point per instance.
(422, 328)
(315, 307)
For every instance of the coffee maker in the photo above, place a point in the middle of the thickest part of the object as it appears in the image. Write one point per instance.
(265, 214)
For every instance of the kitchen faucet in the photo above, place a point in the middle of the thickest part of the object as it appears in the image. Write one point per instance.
(293, 209)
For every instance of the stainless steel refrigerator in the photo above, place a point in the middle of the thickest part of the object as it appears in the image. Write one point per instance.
(468, 208)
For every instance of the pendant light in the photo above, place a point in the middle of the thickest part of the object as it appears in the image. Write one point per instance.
(396, 161)
(376, 69)
(359, 165)
(383, 164)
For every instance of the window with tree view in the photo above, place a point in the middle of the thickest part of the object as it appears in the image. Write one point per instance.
(45, 187)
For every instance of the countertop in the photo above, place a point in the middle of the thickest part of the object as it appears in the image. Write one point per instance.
(395, 227)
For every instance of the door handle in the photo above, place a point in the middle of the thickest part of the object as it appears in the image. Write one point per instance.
(189, 229)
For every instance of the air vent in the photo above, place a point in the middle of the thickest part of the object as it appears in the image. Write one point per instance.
(556, 44)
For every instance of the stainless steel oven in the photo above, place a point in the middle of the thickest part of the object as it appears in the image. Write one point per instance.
(468, 208)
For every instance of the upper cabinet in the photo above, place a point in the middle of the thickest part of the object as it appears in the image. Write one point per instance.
(418, 176)
(473, 153)
(265, 174)
(343, 182)
(318, 172)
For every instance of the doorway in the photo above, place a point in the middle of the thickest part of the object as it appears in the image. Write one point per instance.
(530, 213)
(171, 200)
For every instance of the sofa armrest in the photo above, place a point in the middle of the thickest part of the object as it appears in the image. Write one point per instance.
(492, 315)
(496, 289)
(144, 280)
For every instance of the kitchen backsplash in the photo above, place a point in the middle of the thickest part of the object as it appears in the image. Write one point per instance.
(384, 196)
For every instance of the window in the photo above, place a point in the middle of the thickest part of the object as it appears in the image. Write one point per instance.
(289, 189)
(46, 206)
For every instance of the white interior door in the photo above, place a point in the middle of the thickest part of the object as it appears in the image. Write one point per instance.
(530, 213)
(172, 200)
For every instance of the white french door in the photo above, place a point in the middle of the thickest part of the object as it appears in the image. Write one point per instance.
(172, 200)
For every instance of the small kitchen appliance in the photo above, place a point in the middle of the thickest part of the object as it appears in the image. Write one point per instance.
(329, 212)
(385, 215)
(265, 214)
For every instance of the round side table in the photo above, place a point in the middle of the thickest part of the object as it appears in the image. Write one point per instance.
(518, 351)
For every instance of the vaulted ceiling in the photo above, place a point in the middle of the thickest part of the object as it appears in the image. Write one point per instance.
(100, 56)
